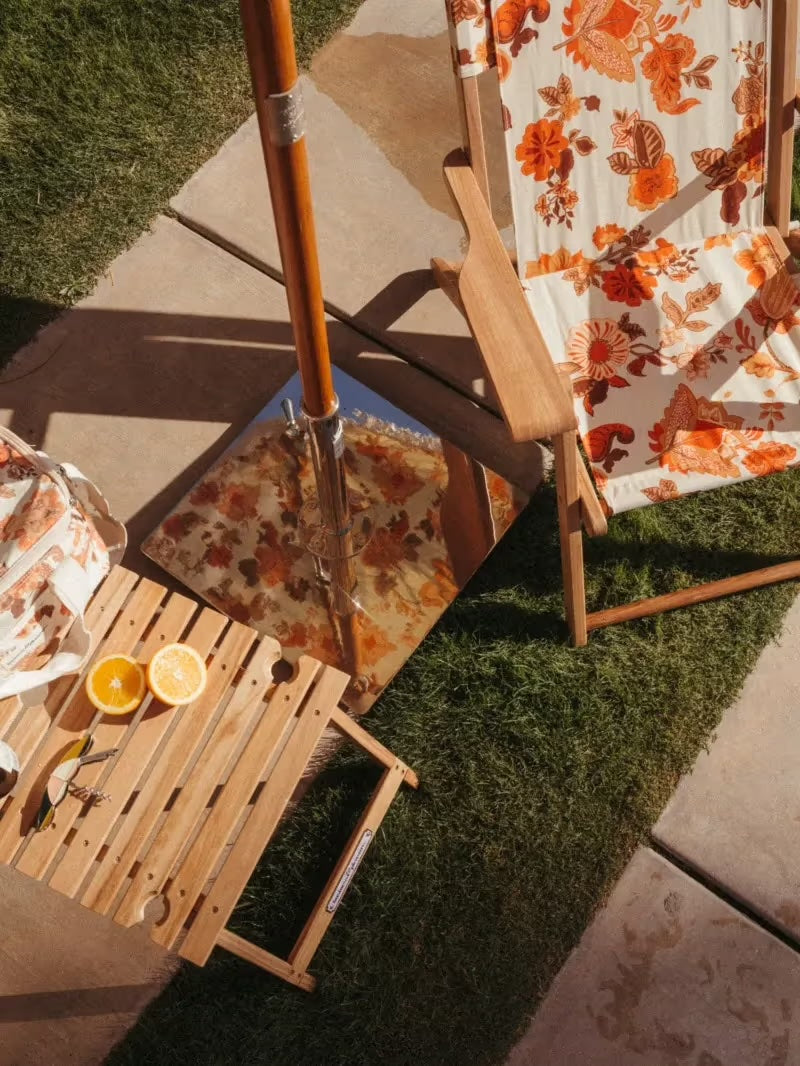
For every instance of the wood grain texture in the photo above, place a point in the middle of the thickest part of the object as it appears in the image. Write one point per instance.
(472, 139)
(251, 768)
(567, 463)
(450, 415)
(72, 723)
(780, 112)
(446, 275)
(592, 516)
(516, 359)
(127, 768)
(186, 741)
(197, 791)
(270, 50)
(110, 732)
(321, 916)
(265, 960)
(264, 818)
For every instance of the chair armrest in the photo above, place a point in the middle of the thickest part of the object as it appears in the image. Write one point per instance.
(533, 399)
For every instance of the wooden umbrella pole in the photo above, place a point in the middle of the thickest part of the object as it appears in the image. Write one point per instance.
(273, 66)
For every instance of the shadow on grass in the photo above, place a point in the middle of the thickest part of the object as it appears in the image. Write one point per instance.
(21, 320)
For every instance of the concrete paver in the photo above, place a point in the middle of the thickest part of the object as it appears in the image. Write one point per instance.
(669, 975)
(139, 384)
(71, 983)
(181, 344)
(381, 116)
(736, 816)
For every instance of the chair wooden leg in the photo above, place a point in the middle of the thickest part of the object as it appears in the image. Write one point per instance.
(594, 521)
(712, 590)
(565, 450)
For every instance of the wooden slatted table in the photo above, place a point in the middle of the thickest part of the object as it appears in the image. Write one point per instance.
(196, 792)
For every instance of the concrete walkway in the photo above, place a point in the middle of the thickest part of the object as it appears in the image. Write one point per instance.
(674, 969)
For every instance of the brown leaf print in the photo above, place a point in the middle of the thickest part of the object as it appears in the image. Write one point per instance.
(665, 490)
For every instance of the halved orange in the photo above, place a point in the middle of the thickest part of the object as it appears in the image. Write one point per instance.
(176, 674)
(116, 684)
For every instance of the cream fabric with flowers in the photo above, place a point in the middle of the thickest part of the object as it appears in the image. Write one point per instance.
(624, 113)
(684, 362)
(635, 137)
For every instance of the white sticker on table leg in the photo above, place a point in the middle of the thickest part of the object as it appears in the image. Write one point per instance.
(344, 881)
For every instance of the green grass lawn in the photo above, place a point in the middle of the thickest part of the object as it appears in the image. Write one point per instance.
(542, 767)
(106, 108)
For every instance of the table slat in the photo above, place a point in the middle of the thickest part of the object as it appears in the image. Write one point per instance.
(75, 720)
(109, 732)
(266, 813)
(126, 769)
(207, 774)
(175, 755)
(202, 857)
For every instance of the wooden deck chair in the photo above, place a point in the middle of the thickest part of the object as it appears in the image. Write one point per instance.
(654, 306)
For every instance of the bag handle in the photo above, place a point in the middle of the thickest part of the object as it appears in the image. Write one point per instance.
(69, 659)
(113, 532)
(68, 586)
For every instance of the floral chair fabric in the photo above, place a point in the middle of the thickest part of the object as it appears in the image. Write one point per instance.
(684, 362)
(635, 139)
(625, 112)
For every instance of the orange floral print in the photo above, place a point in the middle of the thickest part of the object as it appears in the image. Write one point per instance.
(563, 103)
(548, 152)
(396, 480)
(606, 35)
(698, 435)
(36, 517)
(551, 263)
(666, 489)
(604, 236)
(747, 154)
(598, 348)
(238, 502)
(776, 304)
(510, 22)
(630, 287)
(541, 148)
(760, 260)
(583, 274)
(668, 66)
(724, 240)
(651, 186)
(665, 258)
(503, 65)
(732, 170)
(599, 443)
(770, 457)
